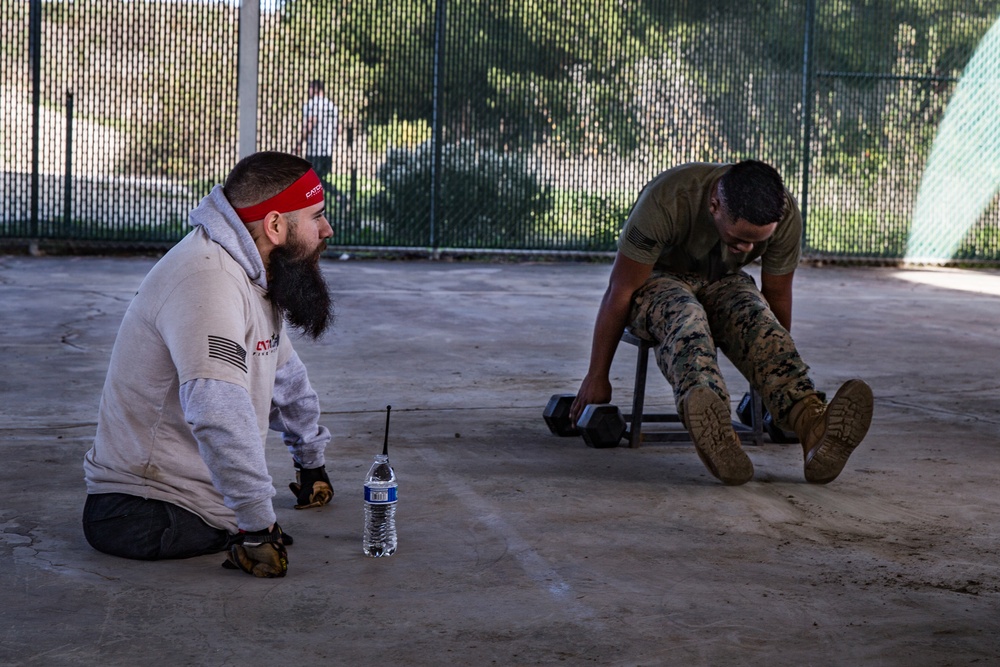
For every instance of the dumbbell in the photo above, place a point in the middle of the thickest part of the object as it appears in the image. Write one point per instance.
(602, 425)
(777, 435)
(557, 415)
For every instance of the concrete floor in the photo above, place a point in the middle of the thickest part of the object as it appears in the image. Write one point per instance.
(518, 547)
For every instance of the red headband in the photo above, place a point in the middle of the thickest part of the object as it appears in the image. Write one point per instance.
(304, 192)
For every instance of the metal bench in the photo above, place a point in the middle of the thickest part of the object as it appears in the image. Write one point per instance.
(749, 435)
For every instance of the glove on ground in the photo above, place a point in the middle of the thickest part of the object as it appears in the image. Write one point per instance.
(312, 487)
(261, 553)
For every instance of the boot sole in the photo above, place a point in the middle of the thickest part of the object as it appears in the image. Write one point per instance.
(848, 417)
(710, 427)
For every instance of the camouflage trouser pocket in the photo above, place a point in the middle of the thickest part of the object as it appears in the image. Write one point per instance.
(689, 318)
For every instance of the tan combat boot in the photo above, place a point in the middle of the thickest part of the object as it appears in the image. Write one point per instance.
(829, 433)
(710, 426)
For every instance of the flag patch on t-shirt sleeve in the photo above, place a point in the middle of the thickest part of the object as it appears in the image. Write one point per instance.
(639, 240)
(227, 350)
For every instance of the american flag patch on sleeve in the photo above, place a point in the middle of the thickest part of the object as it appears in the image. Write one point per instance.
(227, 350)
(639, 240)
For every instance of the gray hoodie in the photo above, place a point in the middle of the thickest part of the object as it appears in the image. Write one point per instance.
(201, 369)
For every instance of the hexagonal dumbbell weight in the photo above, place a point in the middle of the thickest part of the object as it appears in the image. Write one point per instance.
(602, 425)
(557, 415)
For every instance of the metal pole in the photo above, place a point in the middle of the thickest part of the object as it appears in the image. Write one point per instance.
(68, 182)
(352, 202)
(807, 108)
(247, 52)
(436, 111)
(35, 57)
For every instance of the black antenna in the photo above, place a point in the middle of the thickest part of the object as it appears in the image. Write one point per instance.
(385, 445)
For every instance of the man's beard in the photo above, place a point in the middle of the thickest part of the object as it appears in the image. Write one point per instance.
(295, 285)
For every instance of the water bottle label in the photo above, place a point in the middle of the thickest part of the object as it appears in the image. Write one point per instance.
(380, 496)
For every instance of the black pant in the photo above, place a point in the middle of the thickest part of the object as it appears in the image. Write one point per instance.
(133, 527)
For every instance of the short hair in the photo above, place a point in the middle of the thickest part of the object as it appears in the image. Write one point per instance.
(317, 84)
(753, 191)
(260, 176)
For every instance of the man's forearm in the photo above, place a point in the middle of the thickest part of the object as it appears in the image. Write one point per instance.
(607, 332)
(781, 306)
(596, 385)
(626, 277)
(295, 414)
(777, 291)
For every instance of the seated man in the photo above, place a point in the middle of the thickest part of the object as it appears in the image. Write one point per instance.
(202, 367)
(677, 281)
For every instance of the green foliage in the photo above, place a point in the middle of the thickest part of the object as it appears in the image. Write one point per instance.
(882, 112)
(181, 124)
(863, 233)
(536, 70)
(940, 40)
(570, 70)
(875, 233)
(397, 133)
(487, 199)
(381, 47)
(585, 222)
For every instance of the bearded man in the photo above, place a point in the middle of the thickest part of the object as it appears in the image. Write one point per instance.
(202, 368)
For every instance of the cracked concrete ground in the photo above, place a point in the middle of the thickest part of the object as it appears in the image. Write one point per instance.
(518, 547)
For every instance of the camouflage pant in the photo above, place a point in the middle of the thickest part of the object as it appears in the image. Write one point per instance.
(687, 318)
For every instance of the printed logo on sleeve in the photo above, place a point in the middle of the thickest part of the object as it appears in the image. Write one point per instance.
(228, 351)
(267, 346)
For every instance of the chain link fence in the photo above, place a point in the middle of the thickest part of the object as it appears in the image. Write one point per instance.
(479, 125)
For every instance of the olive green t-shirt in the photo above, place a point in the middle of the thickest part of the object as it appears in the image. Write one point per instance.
(670, 227)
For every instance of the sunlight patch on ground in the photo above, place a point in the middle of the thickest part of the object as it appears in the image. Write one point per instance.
(979, 282)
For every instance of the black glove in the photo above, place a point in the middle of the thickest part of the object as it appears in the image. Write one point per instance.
(260, 553)
(312, 487)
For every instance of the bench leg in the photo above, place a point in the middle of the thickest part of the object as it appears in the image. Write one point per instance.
(638, 395)
(757, 417)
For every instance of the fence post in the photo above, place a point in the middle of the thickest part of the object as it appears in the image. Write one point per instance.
(248, 51)
(807, 96)
(35, 57)
(68, 182)
(353, 200)
(436, 121)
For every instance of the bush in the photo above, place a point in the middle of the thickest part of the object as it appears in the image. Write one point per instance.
(581, 221)
(487, 199)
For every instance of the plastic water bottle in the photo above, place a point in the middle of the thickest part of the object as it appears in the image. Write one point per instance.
(380, 503)
(380, 509)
